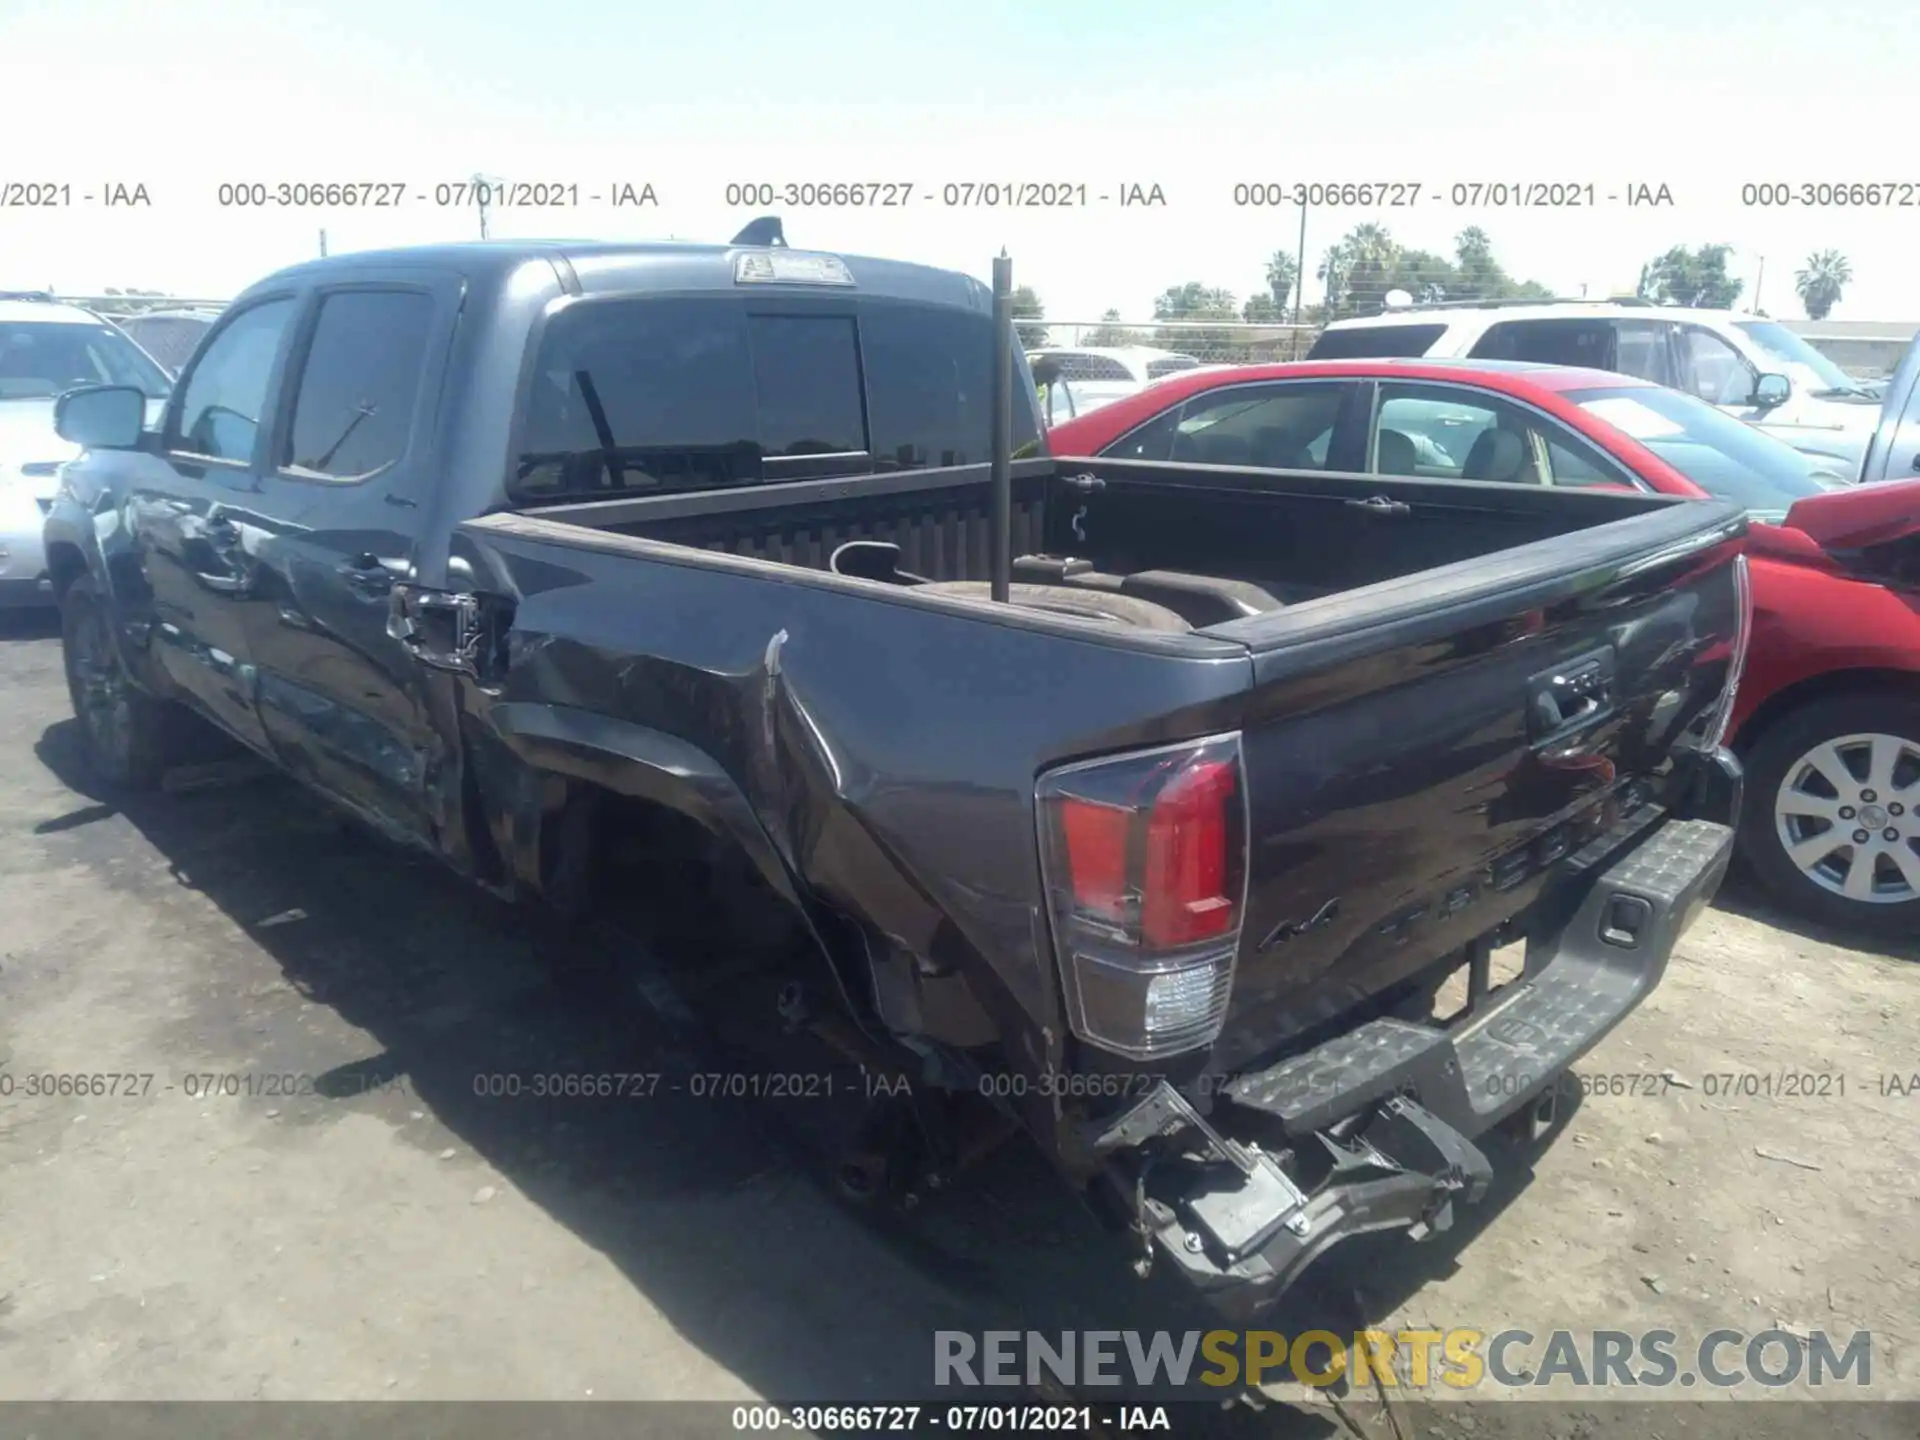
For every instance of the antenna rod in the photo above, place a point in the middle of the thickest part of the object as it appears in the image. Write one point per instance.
(1000, 471)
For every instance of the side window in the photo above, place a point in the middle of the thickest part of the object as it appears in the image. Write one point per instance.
(1573, 465)
(359, 384)
(1641, 350)
(1713, 369)
(1446, 434)
(226, 390)
(1151, 441)
(1277, 427)
(1547, 342)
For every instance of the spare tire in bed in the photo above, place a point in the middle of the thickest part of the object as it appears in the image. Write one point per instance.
(1069, 600)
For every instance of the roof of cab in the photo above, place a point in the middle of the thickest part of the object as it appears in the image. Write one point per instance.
(613, 267)
(46, 312)
(1444, 315)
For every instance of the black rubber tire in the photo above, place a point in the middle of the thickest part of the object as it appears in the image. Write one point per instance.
(1071, 600)
(1767, 761)
(130, 752)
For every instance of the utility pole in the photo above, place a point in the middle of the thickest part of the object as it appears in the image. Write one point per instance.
(1758, 281)
(323, 244)
(481, 188)
(1300, 268)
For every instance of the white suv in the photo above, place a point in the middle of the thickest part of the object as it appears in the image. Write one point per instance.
(1074, 380)
(1754, 369)
(47, 348)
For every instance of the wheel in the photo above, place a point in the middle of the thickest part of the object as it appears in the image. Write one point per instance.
(1071, 600)
(129, 737)
(1829, 823)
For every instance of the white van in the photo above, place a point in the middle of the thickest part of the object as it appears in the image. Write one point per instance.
(1754, 369)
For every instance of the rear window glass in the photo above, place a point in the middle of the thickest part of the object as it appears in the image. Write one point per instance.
(657, 396)
(1171, 365)
(1376, 342)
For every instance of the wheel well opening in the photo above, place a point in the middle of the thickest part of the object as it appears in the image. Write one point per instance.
(1832, 685)
(65, 564)
(632, 866)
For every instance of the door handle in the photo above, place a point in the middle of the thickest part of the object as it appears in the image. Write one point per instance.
(1571, 695)
(1380, 505)
(366, 574)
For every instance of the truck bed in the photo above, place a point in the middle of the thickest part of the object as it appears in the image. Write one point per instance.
(1296, 535)
(889, 741)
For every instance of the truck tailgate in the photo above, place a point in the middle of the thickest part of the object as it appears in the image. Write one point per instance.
(1423, 757)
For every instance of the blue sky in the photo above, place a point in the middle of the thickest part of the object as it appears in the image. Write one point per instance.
(1701, 97)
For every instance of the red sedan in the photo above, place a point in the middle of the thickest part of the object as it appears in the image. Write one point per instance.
(1827, 718)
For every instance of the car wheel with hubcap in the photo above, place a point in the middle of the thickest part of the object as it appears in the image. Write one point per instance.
(129, 737)
(1830, 818)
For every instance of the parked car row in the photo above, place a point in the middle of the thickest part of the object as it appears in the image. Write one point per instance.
(1150, 802)
(47, 348)
(1753, 368)
(1828, 713)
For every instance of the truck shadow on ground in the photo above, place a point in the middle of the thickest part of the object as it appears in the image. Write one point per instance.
(718, 1206)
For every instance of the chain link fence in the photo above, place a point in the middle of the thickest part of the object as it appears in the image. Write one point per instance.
(1211, 342)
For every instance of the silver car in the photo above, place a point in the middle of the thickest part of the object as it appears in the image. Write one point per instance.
(169, 336)
(47, 348)
(1893, 452)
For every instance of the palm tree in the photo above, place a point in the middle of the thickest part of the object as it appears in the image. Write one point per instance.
(1282, 271)
(1819, 284)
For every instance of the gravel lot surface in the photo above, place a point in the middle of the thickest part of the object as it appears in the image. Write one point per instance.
(347, 1218)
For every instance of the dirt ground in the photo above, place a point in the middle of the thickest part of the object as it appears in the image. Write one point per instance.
(388, 1233)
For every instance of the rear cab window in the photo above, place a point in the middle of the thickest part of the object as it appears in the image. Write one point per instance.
(657, 396)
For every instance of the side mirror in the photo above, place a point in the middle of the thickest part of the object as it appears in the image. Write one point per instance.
(101, 417)
(1772, 390)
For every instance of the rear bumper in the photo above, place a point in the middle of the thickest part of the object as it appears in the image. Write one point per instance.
(1387, 1113)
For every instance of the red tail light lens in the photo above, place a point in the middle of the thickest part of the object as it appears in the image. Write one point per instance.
(1185, 897)
(1096, 840)
(1144, 858)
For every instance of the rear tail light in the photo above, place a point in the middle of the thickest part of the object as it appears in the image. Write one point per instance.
(1144, 858)
(1737, 665)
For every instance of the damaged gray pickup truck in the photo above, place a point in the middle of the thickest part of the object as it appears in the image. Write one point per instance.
(1154, 803)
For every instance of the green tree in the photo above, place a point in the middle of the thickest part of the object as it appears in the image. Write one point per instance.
(1367, 263)
(1027, 306)
(1283, 273)
(1261, 310)
(1477, 275)
(1110, 334)
(1195, 301)
(1425, 276)
(1691, 277)
(1819, 284)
